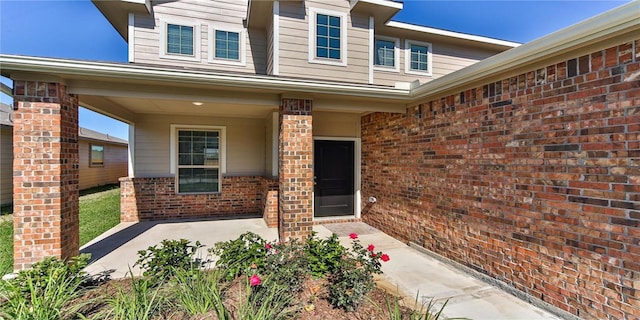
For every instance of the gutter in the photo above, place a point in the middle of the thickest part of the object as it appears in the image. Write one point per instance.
(64, 67)
(622, 19)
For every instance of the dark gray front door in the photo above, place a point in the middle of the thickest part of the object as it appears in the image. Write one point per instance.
(333, 178)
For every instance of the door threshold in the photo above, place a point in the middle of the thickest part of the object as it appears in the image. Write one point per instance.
(335, 219)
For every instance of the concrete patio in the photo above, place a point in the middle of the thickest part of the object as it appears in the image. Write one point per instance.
(411, 271)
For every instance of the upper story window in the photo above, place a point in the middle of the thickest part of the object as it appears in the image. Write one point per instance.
(327, 37)
(386, 51)
(418, 57)
(227, 45)
(180, 40)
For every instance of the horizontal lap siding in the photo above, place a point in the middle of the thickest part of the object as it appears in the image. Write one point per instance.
(446, 58)
(294, 47)
(6, 165)
(533, 180)
(147, 34)
(115, 164)
(245, 144)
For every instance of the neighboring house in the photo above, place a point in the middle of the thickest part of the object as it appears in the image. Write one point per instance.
(522, 166)
(6, 154)
(103, 158)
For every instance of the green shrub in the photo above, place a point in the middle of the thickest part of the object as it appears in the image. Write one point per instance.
(324, 255)
(160, 263)
(349, 285)
(199, 292)
(288, 264)
(238, 256)
(44, 291)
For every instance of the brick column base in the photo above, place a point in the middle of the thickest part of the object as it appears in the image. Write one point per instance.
(295, 148)
(270, 202)
(45, 172)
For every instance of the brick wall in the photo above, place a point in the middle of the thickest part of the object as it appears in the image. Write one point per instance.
(270, 202)
(533, 180)
(295, 150)
(144, 199)
(45, 172)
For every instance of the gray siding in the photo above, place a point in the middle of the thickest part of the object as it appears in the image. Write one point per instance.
(204, 13)
(294, 48)
(6, 165)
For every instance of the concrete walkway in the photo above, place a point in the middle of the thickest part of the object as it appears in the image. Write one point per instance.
(412, 272)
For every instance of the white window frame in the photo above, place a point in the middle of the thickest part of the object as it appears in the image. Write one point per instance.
(396, 54)
(242, 42)
(313, 12)
(174, 152)
(197, 35)
(407, 58)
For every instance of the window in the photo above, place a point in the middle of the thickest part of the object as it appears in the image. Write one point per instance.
(386, 51)
(227, 45)
(199, 161)
(96, 156)
(180, 40)
(327, 37)
(418, 58)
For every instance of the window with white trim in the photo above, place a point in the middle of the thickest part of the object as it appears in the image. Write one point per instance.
(199, 161)
(180, 40)
(327, 37)
(418, 57)
(386, 51)
(96, 156)
(227, 45)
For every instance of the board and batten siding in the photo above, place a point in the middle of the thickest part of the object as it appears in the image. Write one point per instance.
(205, 13)
(245, 145)
(294, 46)
(115, 164)
(6, 165)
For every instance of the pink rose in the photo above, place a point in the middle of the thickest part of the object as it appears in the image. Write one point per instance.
(384, 257)
(254, 280)
(371, 248)
(353, 235)
(267, 245)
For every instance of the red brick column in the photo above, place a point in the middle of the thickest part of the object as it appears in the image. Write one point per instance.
(45, 172)
(295, 149)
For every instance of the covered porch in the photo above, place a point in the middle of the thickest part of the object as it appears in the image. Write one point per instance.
(201, 145)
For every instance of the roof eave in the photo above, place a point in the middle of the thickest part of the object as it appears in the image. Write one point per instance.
(619, 21)
(65, 68)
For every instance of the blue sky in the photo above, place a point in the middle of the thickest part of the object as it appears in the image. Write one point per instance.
(76, 29)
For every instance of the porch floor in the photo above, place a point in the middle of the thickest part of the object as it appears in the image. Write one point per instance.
(409, 270)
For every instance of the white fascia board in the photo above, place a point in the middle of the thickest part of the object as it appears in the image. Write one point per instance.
(385, 3)
(446, 33)
(13, 63)
(624, 18)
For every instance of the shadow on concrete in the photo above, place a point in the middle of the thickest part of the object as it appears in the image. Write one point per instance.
(105, 246)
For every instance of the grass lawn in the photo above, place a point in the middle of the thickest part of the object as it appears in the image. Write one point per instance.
(99, 212)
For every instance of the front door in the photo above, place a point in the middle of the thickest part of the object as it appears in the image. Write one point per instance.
(333, 178)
